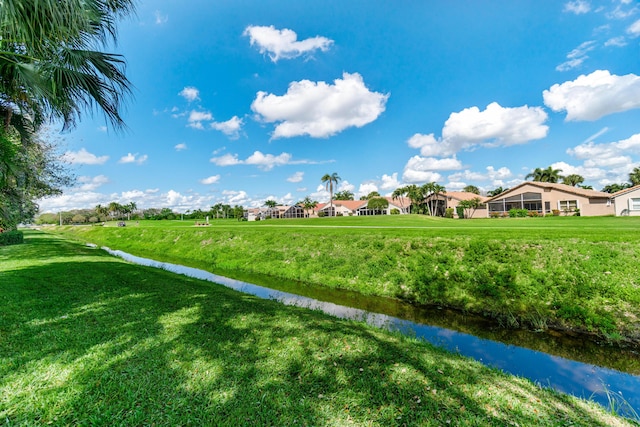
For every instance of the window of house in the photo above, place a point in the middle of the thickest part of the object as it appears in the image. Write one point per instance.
(568, 205)
(634, 204)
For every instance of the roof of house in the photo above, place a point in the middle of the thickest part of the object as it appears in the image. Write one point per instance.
(590, 194)
(464, 195)
(625, 191)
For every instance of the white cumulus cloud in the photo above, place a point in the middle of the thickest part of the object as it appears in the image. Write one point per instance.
(210, 180)
(389, 182)
(88, 183)
(263, 161)
(231, 127)
(319, 109)
(284, 43)
(495, 126)
(590, 97)
(634, 29)
(197, 117)
(190, 93)
(133, 158)
(83, 157)
(296, 177)
(180, 147)
(577, 6)
(577, 56)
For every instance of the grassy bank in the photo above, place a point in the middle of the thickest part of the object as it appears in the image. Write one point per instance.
(566, 272)
(87, 339)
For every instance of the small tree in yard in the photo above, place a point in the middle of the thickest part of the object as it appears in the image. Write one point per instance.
(377, 204)
(469, 206)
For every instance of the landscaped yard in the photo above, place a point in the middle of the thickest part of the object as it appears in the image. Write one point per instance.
(87, 339)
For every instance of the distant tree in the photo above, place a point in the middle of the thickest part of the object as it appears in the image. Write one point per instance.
(634, 177)
(238, 212)
(435, 189)
(270, 203)
(586, 187)
(329, 181)
(573, 179)
(78, 219)
(614, 188)
(413, 193)
(545, 175)
(377, 204)
(343, 195)
(101, 211)
(370, 195)
(115, 209)
(308, 205)
(497, 191)
(471, 189)
(399, 194)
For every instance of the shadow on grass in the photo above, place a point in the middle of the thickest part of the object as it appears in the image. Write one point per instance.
(94, 340)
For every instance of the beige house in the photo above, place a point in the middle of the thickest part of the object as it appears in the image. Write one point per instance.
(451, 199)
(546, 197)
(627, 201)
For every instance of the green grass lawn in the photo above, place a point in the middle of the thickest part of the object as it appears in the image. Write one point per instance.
(87, 339)
(563, 272)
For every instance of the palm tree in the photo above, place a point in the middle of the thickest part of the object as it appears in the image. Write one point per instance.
(344, 195)
(414, 194)
(49, 65)
(329, 181)
(613, 188)
(545, 175)
(308, 204)
(496, 191)
(399, 193)
(573, 179)
(114, 209)
(634, 177)
(270, 203)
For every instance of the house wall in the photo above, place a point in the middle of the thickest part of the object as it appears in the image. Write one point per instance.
(623, 206)
(556, 199)
(453, 203)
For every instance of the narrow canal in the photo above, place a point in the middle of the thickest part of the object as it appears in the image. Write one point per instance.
(607, 374)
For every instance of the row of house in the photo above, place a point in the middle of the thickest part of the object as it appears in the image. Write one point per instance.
(337, 208)
(540, 197)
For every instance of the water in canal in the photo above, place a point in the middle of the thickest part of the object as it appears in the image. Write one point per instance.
(567, 363)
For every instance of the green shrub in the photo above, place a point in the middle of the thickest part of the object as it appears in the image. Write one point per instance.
(13, 237)
(321, 213)
(555, 212)
(395, 211)
(518, 213)
(460, 212)
(495, 214)
(533, 214)
(448, 213)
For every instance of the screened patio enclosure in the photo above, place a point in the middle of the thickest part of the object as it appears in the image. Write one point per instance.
(529, 201)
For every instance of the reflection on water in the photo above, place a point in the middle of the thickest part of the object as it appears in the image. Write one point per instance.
(568, 364)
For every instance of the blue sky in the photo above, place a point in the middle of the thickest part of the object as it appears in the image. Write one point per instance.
(238, 102)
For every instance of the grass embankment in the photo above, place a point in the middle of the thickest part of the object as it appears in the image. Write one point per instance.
(87, 339)
(566, 272)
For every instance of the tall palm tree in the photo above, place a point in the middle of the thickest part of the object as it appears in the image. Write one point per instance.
(270, 203)
(573, 179)
(634, 177)
(329, 181)
(308, 204)
(49, 65)
(414, 194)
(435, 189)
(399, 193)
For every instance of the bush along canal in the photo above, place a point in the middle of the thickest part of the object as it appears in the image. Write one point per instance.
(606, 374)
